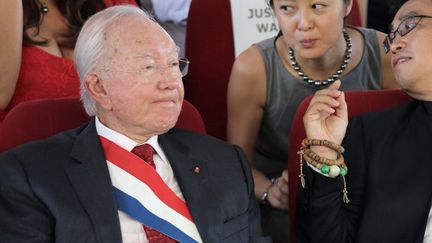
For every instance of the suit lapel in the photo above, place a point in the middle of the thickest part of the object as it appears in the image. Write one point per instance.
(192, 176)
(91, 180)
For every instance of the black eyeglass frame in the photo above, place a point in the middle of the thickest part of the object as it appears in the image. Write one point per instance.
(184, 66)
(388, 41)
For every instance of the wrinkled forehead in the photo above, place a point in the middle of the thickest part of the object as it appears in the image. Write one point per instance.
(138, 37)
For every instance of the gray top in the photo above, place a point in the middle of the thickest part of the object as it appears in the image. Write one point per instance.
(285, 92)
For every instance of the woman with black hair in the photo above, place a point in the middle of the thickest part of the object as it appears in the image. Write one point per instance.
(270, 79)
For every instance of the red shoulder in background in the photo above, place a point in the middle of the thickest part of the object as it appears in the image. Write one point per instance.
(43, 75)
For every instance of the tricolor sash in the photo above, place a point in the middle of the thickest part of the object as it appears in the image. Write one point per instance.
(141, 193)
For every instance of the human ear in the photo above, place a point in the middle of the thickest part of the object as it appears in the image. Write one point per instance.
(97, 90)
(348, 7)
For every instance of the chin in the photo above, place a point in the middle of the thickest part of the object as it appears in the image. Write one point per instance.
(405, 82)
(166, 124)
(309, 53)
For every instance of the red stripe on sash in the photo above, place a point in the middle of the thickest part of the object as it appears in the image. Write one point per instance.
(134, 165)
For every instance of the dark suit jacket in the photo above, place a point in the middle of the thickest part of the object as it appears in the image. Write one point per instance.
(59, 189)
(389, 181)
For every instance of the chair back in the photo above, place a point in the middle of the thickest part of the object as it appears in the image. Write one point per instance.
(38, 119)
(210, 49)
(354, 18)
(358, 102)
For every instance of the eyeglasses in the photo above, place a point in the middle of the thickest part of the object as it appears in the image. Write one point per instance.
(404, 27)
(150, 72)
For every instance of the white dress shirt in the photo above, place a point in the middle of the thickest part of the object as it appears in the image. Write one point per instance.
(131, 229)
(428, 231)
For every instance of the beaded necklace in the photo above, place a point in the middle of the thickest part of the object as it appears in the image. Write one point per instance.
(331, 79)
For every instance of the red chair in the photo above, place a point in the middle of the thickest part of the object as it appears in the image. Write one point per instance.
(359, 102)
(354, 18)
(210, 48)
(40, 119)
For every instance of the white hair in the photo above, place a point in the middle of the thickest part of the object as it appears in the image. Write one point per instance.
(90, 47)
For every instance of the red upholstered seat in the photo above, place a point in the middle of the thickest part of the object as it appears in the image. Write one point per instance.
(359, 102)
(40, 119)
(37, 119)
(354, 18)
(210, 48)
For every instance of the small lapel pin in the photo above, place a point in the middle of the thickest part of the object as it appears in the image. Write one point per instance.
(196, 170)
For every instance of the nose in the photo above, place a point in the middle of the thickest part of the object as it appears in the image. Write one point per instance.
(305, 20)
(169, 80)
(397, 44)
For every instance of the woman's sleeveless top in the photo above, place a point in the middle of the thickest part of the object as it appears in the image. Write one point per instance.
(285, 92)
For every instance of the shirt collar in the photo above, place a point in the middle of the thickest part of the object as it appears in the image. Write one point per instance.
(125, 142)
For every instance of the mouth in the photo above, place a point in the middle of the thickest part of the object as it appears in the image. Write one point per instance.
(399, 60)
(308, 43)
(166, 101)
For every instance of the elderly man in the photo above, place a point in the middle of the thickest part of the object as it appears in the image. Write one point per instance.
(127, 176)
(388, 191)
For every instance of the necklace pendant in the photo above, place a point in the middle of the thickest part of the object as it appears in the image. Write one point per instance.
(44, 8)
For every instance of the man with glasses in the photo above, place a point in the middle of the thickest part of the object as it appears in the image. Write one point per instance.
(382, 189)
(128, 175)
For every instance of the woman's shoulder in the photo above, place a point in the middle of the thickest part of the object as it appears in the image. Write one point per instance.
(367, 34)
(266, 44)
(250, 59)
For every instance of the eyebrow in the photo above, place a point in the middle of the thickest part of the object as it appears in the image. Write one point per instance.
(402, 18)
(409, 14)
(174, 52)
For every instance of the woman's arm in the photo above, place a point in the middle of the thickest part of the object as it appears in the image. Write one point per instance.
(246, 101)
(11, 28)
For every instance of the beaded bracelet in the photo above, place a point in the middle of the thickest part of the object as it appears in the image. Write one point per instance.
(338, 161)
(264, 195)
(328, 167)
(332, 170)
(317, 142)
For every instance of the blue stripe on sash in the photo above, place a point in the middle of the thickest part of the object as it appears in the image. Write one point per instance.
(135, 209)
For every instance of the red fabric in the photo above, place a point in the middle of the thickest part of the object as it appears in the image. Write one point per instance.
(210, 48)
(359, 102)
(191, 119)
(43, 75)
(110, 3)
(38, 119)
(354, 18)
(146, 152)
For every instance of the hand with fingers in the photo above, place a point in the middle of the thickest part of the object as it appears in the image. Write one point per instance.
(327, 117)
(278, 192)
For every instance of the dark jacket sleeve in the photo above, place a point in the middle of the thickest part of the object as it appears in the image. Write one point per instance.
(23, 218)
(255, 230)
(321, 214)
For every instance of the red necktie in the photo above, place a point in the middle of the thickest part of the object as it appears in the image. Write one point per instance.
(145, 152)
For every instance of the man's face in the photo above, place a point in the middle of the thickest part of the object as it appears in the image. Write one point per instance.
(412, 53)
(144, 88)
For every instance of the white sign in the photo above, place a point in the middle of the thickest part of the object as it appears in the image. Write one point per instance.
(253, 21)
